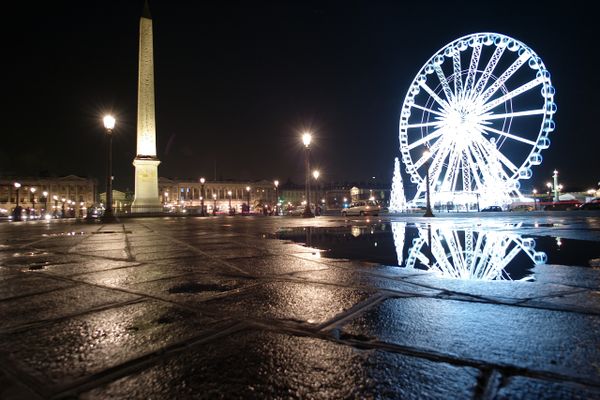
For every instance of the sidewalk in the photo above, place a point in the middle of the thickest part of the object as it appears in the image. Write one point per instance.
(181, 308)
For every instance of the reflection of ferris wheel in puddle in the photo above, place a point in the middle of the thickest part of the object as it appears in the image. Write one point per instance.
(460, 108)
(467, 253)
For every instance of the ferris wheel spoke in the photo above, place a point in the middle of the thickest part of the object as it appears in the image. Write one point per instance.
(491, 116)
(508, 135)
(431, 136)
(488, 71)
(449, 180)
(440, 152)
(512, 94)
(425, 124)
(473, 68)
(440, 255)
(434, 96)
(489, 163)
(457, 69)
(466, 172)
(438, 160)
(444, 82)
(429, 110)
(433, 149)
(489, 92)
(455, 247)
(494, 153)
(472, 164)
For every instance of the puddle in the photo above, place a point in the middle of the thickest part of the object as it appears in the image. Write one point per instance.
(463, 252)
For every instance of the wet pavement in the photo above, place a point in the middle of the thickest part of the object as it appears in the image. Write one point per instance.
(460, 306)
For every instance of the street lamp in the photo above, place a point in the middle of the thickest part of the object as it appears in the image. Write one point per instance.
(214, 204)
(17, 210)
(316, 175)
(62, 207)
(55, 198)
(202, 180)
(166, 198)
(555, 181)
(427, 155)
(229, 194)
(109, 124)
(534, 191)
(45, 201)
(33, 198)
(306, 139)
(17, 186)
(248, 192)
(276, 197)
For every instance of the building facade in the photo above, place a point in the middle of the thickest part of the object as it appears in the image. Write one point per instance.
(219, 196)
(66, 196)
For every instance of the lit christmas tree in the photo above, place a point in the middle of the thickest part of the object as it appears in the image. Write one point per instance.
(397, 199)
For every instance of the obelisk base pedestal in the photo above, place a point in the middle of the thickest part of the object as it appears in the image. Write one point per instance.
(146, 187)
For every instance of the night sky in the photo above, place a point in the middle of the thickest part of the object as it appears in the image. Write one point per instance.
(236, 83)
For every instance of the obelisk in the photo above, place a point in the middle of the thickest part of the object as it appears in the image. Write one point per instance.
(146, 162)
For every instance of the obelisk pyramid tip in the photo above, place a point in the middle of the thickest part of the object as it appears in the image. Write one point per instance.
(146, 11)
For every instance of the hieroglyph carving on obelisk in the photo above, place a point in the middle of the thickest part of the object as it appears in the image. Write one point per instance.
(146, 162)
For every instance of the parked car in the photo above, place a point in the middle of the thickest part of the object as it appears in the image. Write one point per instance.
(522, 207)
(365, 207)
(299, 210)
(492, 208)
(591, 205)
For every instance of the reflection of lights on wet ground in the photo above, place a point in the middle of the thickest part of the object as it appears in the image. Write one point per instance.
(355, 231)
(466, 253)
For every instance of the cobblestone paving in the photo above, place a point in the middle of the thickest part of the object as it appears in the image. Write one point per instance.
(175, 308)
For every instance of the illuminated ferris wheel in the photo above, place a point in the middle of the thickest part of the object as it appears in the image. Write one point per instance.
(477, 116)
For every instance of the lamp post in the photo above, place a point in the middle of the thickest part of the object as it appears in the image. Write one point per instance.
(534, 191)
(555, 186)
(229, 194)
(316, 174)
(45, 201)
(17, 210)
(55, 198)
(276, 183)
(214, 204)
(109, 124)
(248, 193)
(17, 186)
(62, 207)
(33, 199)
(428, 212)
(166, 198)
(306, 139)
(202, 180)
